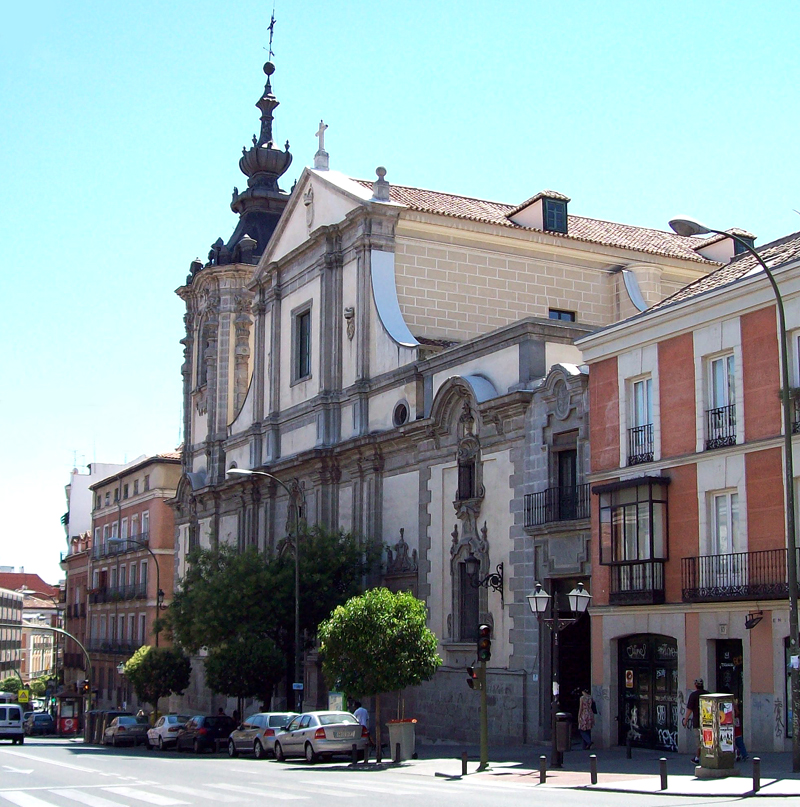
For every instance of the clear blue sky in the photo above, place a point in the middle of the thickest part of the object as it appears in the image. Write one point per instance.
(122, 125)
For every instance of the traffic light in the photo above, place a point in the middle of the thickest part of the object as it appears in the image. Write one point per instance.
(474, 681)
(484, 643)
(85, 686)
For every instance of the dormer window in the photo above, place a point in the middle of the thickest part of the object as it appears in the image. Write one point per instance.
(739, 248)
(555, 215)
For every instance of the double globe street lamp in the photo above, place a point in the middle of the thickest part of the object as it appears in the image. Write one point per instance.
(539, 601)
(295, 535)
(687, 226)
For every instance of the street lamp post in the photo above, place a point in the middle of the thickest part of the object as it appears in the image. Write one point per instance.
(159, 592)
(538, 601)
(295, 529)
(27, 592)
(687, 227)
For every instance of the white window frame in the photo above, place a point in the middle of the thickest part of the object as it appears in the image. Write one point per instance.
(145, 525)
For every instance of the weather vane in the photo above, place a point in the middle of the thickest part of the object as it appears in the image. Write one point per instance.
(271, 29)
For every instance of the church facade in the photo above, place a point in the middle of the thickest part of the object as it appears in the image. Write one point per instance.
(404, 360)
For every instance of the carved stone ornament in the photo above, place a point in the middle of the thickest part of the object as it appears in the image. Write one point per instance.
(201, 402)
(400, 561)
(308, 201)
(350, 317)
(562, 399)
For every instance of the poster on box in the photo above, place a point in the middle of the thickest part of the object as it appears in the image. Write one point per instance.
(726, 713)
(706, 712)
(708, 738)
(726, 738)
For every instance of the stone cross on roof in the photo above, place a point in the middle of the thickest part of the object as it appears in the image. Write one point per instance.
(321, 157)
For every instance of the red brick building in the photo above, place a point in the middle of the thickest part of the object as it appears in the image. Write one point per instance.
(689, 574)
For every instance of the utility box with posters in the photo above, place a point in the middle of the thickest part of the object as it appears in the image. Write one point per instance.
(717, 750)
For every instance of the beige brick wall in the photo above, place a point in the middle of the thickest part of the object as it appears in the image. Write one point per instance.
(453, 292)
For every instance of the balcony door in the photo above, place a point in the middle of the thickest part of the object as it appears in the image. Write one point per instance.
(567, 468)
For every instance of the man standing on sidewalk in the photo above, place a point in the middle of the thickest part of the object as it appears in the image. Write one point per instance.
(691, 719)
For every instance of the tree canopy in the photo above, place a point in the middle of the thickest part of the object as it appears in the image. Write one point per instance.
(378, 642)
(11, 684)
(156, 672)
(245, 668)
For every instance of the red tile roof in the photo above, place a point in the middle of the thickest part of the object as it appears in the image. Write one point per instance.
(776, 253)
(17, 580)
(579, 228)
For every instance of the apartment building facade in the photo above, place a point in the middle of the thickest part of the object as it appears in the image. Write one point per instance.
(689, 550)
(127, 570)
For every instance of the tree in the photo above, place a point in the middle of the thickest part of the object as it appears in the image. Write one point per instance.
(156, 672)
(378, 642)
(11, 684)
(245, 668)
(228, 596)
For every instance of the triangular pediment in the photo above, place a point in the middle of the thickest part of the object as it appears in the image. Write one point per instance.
(320, 198)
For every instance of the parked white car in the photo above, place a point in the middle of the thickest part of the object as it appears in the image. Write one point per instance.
(164, 733)
(257, 734)
(321, 734)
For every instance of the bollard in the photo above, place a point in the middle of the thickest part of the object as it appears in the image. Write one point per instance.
(463, 763)
(756, 774)
(593, 767)
(542, 769)
(397, 752)
(662, 765)
(355, 753)
(628, 744)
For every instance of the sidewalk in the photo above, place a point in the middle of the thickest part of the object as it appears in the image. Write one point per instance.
(640, 774)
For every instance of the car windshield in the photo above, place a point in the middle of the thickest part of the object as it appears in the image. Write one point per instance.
(143, 720)
(336, 717)
(276, 721)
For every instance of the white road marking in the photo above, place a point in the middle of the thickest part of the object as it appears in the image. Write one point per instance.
(399, 790)
(265, 792)
(18, 770)
(52, 762)
(143, 795)
(203, 794)
(25, 799)
(86, 798)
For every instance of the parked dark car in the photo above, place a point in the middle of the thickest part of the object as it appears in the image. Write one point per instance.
(39, 723)
(202, 732)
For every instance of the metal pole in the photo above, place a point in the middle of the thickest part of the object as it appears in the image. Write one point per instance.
(756, 774)
(593, 767)
(463, 763)
(791, 529)
(557, 757)
(662, 768)
(144, 545)
(542, 769)
(484, 763)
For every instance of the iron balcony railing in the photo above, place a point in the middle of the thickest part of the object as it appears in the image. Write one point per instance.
(104, 550)
(639, 582)
(557, 504)
(138, 591)
(112, 646)
(735, 576)
(721, 426)
(796, 409)
(640, 444)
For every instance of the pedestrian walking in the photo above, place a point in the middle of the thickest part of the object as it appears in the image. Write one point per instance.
(586, 712)
(691, 720)
(738, 734)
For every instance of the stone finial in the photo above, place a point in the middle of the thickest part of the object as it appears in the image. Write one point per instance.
(321, 157)
(380, 187)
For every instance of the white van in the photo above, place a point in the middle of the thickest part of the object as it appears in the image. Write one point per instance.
(11, 723)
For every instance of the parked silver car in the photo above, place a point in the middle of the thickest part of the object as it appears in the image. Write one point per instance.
(126, 729)
(165, 732)
(321, 734)
(257, 734)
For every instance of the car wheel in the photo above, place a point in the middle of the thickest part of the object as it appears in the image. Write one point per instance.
(258, 750)
(232, 752)
(279, 755)
(311, 757)
(160, 743)
(196, 747)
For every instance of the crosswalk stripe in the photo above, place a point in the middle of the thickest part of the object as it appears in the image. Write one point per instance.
(82, 797)
(196, 791)
(263, 791)
(24, 799)
(399, 790)
(143, 795)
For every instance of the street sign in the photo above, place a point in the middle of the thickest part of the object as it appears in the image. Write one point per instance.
(297, 687)
(24, 696)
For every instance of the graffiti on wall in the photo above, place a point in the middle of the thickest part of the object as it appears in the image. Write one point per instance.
(779, 727)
